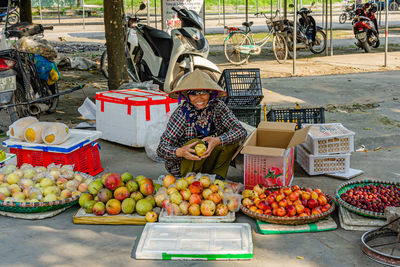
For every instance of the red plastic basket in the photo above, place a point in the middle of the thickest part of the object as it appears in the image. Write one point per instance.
(86, 159)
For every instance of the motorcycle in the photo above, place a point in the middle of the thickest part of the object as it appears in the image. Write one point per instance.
(28, 81)
(166, 59)
(348, 14)
(365, 27)
(309, 35)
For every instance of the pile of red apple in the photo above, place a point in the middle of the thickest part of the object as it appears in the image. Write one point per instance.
(373, 197)
(286, 202)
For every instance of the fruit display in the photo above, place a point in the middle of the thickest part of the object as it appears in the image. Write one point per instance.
(198, 195)
(113, 194)
(286, 201)
(41, 184)
(373, 197)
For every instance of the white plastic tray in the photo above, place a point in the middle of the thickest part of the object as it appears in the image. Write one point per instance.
(196, 219)
(10, 159)
(78, 139)
(203, 241)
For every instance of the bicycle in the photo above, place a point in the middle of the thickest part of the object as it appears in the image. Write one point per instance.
(239, 44)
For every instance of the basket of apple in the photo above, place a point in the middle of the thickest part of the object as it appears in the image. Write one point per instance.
(369, 197)
(31, 189)
(286, 205)
(197, 197)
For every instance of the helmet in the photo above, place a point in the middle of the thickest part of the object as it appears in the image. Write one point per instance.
(373, 8)
(304, 10)
(366, 6)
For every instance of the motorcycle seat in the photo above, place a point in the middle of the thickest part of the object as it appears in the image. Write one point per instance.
(155, 33)
(159, 40)
(247, 24)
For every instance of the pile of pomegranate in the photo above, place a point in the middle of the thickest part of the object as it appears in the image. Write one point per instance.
(373, 197)
(286, 202)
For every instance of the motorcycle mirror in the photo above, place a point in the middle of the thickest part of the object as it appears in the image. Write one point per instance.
(142, 6)
(291, 5)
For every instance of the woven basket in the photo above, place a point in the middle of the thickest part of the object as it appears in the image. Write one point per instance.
(349, 185)
(288, 220)
(33, 207)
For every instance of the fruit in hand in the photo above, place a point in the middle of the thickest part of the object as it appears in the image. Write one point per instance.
(200, 149)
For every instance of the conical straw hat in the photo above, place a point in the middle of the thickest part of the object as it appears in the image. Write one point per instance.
(197, 80)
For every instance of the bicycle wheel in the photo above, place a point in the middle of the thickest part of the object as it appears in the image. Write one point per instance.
(319, 45)
(280, 48)
(342, 18)
(231, 48)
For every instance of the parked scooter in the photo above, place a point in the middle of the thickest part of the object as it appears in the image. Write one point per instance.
(166, 59)
(13, 14)
(309, 35)
(348, 14)
(365, 27)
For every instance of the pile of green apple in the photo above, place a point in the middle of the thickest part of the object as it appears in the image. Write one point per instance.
(114, 193)
(40, 184)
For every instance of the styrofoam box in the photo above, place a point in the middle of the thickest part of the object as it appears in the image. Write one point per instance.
(78, 139)
(124, 116)
(329, 138)
(321, 164)
(195, 241)
(10, 159)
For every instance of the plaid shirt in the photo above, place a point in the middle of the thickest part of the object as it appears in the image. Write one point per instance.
(180, 130)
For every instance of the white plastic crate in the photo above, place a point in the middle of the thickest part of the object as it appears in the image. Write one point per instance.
(124, 116)
(329, 138)
(321, 164)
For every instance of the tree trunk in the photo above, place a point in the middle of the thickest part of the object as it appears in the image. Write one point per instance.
(25, 10)
(117, 68)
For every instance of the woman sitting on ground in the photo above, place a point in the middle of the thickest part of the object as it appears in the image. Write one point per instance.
(201, 118)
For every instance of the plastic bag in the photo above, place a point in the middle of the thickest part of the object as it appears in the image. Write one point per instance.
(55, 133)
(17, 129)
(33, 133)
(155, 129)
(232, 187)
(36, 46)
(232, 201)
(147, 85)
(47, 70)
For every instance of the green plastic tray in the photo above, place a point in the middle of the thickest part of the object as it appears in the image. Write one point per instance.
(349, 185)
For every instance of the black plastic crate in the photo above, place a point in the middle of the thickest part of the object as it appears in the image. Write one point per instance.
(243, 86)
(299, 116)
(249, 115)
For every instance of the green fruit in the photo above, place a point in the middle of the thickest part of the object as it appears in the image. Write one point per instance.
(128, 205)
(95, 186)
(126, 176)
(132, 186)
(88, 206)
(152, 200)
(137, 196)
(143, 206)
(84, 197)
(156, 187)
(139, 178)
(2, 155)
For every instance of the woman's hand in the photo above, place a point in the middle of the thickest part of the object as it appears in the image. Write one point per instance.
(212, 143)
(188, 152)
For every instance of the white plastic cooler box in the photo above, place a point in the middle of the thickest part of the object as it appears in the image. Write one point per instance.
(124, 116)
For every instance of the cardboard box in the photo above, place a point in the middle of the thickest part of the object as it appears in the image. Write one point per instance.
(269, 153)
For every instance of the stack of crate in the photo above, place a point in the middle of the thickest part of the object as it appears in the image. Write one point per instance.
(326, 150)
(244, 90)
